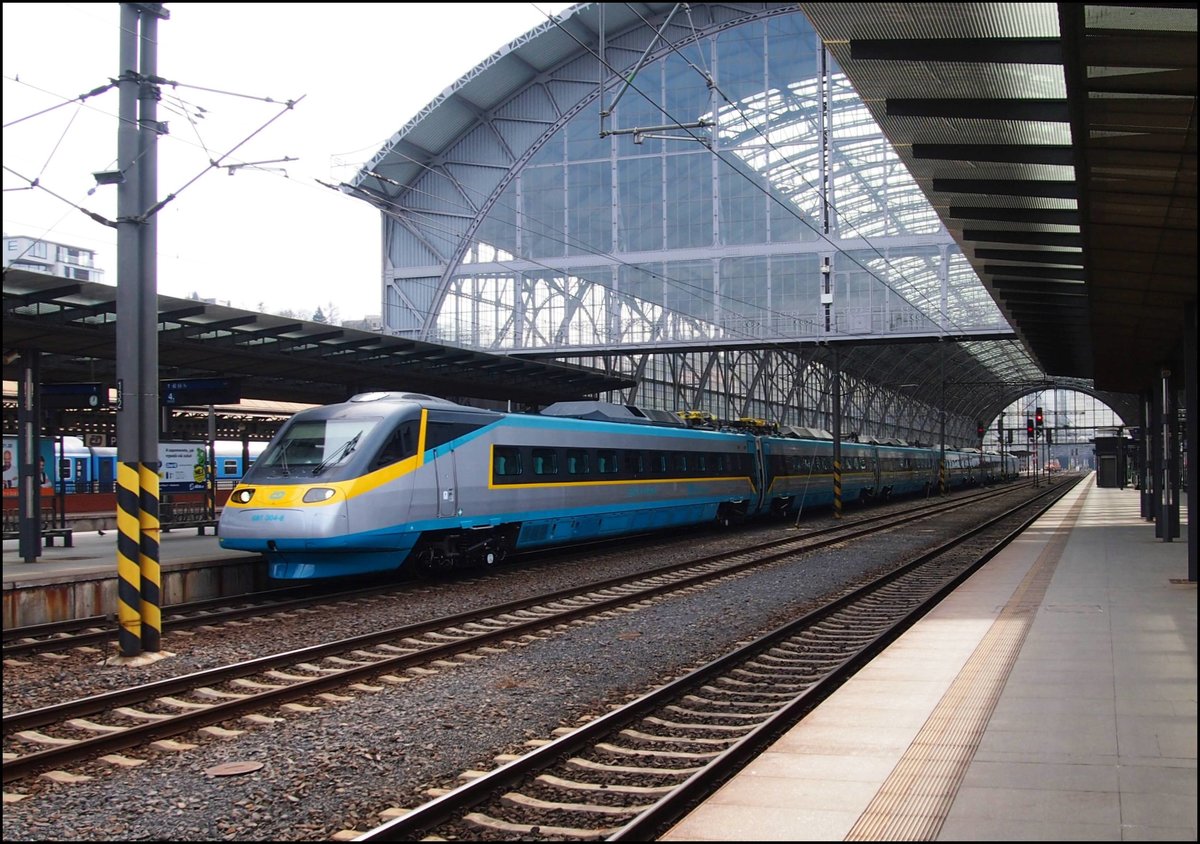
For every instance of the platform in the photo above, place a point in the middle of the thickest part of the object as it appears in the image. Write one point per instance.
(1052, 697)
(80, 581)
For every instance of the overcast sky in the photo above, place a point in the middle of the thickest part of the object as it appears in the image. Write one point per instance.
(257, 237)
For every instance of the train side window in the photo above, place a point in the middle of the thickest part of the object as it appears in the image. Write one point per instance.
(545, 461)
(633, 463)
(229, 467)
(577, 461)
(659, 463)
(606, 462)
(438, 432)
(681, 462)
(719, 464)
(700, 459)
(506, 461)
(401, 444)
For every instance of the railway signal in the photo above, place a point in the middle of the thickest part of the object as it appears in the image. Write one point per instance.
(1029, 427)
(980, 428)
(1040, 418)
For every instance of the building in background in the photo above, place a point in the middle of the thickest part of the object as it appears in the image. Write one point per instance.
(371, 322)
(45, 256)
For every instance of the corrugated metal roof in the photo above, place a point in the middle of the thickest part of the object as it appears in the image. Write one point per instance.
(73, 325)
(1057, 143)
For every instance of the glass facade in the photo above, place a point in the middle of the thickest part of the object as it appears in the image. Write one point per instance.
(787, 218)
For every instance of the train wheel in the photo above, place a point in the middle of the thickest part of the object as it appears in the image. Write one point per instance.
(432, 560)
(493, 554)
(730, 515)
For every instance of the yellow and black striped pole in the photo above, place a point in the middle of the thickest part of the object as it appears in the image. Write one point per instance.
(129, 593)
(942, 477)
(837, 488)
(210, 490)
(151, 569)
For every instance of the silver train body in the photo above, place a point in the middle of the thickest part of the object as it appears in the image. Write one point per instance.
(386, 480)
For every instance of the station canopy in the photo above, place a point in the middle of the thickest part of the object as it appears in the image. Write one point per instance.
(74, 326)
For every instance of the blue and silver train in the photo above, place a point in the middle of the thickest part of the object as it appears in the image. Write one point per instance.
(386, 480)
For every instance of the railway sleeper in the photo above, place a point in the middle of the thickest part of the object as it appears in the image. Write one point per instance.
(487, 822)
(574, 785)
(524, 801)
(677, 725)
(704, 701)
(755, 716)
(653, 738)
(579, 763)
(616, 749)
(743, 687)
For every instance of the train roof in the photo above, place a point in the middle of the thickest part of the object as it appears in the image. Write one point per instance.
(420, 398)
(799, 432)
(603, 411)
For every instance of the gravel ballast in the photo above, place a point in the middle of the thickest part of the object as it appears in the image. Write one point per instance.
(339, 767)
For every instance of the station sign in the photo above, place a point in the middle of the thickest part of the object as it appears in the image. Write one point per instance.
(190, 392)
(65, 396)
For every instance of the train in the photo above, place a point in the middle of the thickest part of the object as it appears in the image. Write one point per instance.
(387, 480)
(84, 468)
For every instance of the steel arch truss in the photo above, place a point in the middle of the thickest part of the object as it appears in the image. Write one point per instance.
(510, 224)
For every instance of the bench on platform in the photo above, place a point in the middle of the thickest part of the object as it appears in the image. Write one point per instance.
(201, 526)
(49, 535)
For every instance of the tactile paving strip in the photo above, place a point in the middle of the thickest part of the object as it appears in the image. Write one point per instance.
(912, 804)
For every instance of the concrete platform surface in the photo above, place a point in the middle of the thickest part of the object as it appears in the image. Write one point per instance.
(1052, 697)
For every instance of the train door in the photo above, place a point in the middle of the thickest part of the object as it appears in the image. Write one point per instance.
(105, 475)
(760, 456)
(447, 484)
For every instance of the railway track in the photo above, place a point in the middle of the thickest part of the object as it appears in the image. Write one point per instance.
(633, 772)
(90, 727)
(101, 630)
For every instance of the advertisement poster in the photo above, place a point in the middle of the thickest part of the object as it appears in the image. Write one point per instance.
(45, 468)
(183, 467)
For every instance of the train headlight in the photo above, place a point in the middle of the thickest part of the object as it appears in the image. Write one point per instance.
(318, 493)
(242, 496)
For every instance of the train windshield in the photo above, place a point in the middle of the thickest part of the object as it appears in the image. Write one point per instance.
(311, 447)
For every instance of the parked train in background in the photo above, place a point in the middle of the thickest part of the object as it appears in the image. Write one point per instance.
(85, 468)
(389, 479)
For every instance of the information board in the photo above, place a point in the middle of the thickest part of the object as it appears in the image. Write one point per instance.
(182, 467)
